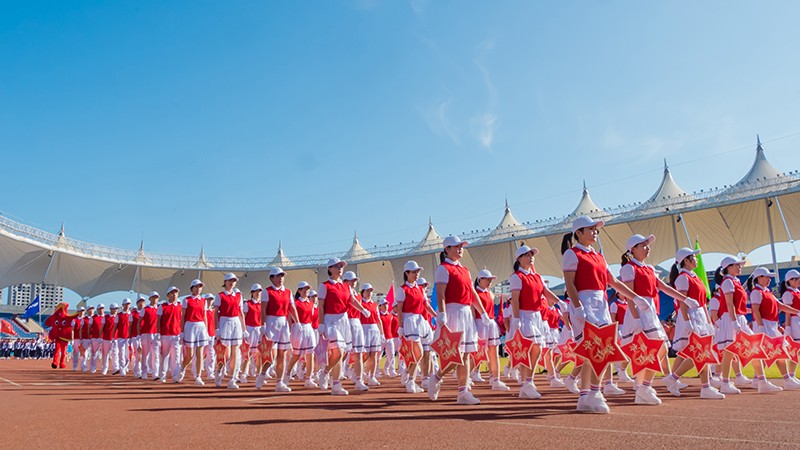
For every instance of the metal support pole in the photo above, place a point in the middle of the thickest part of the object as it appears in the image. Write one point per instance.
(685, 230)
(767, 203)
(785, 225)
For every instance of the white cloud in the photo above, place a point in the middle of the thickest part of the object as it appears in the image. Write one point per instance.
(484, 127)
(438, 120)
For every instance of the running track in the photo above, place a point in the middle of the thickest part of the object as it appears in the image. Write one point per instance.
(93, 411)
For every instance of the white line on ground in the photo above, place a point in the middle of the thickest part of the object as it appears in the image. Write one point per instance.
(11, 382)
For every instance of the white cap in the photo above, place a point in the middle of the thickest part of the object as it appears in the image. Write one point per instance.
(276, 271)
(312, 293)
(172, 288)
(208, 296)
(113, 306)
(367, 286)
(637, 239)
(230, 276)
(303, 284)
(154, 294)
(349, 276)
(82, 308)
(382, 301)
(452, 241)
(336, 262)
(92, 307)
(421, 281)
(141, 298)
(196, 283)
(255, 287)
(684, 252)
(100, 305)
(486, 274)
(728, 260)
(412, 266)
(585, 221)
(791, 274)
(523, 249)
(762, 272)
(127, 301)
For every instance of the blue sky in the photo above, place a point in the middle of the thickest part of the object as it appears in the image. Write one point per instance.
(234, 125)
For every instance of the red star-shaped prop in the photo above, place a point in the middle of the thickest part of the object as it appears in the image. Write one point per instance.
(446, 346)
(245, 348)
(773, 349)
(406, 351)
(481, 355)
(599, 346)
(792, 349)
(265, 351)
(219, 349)
(519, 350)
(701, 350)
(717, 351)
(643, 353)
(747, 347)
(567, 350)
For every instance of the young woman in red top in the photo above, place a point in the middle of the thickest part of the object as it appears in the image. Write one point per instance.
(195, 331)
(123, 339)
(253, 323)
(229, 317)
(277, 309)
(373, 335)
(169, 327)
(390, 331)
(410, 305)
(148, 333)
(304, 339)
(356, 373)
(790, 296)
(209, 354)
(489, 332)
(456, 297)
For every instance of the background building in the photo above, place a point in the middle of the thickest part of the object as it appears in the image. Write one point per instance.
(22, 294)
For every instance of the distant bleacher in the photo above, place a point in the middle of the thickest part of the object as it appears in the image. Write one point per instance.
(22, 333)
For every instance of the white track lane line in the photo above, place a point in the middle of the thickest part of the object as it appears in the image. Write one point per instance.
(11, 382)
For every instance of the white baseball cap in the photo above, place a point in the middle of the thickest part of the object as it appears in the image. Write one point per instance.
(127, 301)
(585, 221)
(255, 287)
(349, 276)
(336, 262)
(421, 281)
(637, 239)
(172, 288)
(82, 308)
(486, 274)
(303, 284)
(684, 252)
(312, 293)
(523, 249)
(230, 276)
(208, 296)
(382, 301)
(412, 266)
(141, 298)
(101, 306)
(452, 241)
(729, 260)
(154, 294)
(762, 272)
(367, 287)
(196, 283)
(113, 306)
(276, 271)
(792, 274)
(90, 307)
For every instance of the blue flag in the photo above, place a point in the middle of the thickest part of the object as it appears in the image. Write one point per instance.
(32, 309)
(434, 304)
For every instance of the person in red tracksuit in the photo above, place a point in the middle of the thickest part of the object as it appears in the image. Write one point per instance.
(195, 332)
(110, 349)
(77, 340)
(209, 355)
(86, 339)
(169, 327)
(96, 335)
(390, 328)
(151, 341)
(123, 339)
(136, 341)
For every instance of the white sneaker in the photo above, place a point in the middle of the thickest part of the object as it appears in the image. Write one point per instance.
(528, 390)
(324, 381)
(372, 381)
(466, 398)
(476, 377)
(403, 377)
(498, 385)
(791, 384)
(681, 385)
(424, 383)
(743, 381)
(259, 381)
(715, 382)
(199, 381)
(360, 386)
(218, 378)
(572, 385)
(337, 389)
(434, 386)
(710, 393)
(598, 403)
(612, 389)
(413, 388)
(311, 384)
(647, 396)
(766, 387)
(271, 372)
(243, 379)
(515, 375)
(556, 383)
(583, 404)
(280, 386)
(729, 388)
(232, 385)
(622, 377)
(672, 385)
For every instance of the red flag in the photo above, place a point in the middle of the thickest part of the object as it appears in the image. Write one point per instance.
(390, 296)
(6, 327)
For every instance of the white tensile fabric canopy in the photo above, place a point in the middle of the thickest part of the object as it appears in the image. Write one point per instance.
(734, 219)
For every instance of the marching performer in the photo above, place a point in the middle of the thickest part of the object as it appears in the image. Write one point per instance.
(277, 307)
(356, 333)
(136, 339)
(303, 336)
(253, 324)
(229, 318)
(790, 296)
(78, 357)
(86, 340)
(390, 343)
(96, 334)
(195, 332)
(151, 340)
(209, 354)
(373, 335)
(110, 349)
(489, 332)
(123, 339)
(410, 305)
(169, 328)
(455, 295)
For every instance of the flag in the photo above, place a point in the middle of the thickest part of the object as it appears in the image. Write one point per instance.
(434, 304)
(6, 328)
(390, 297)
(700, 270)
(32, 309)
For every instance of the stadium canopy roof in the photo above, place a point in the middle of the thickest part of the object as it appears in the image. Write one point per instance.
(734, 219)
